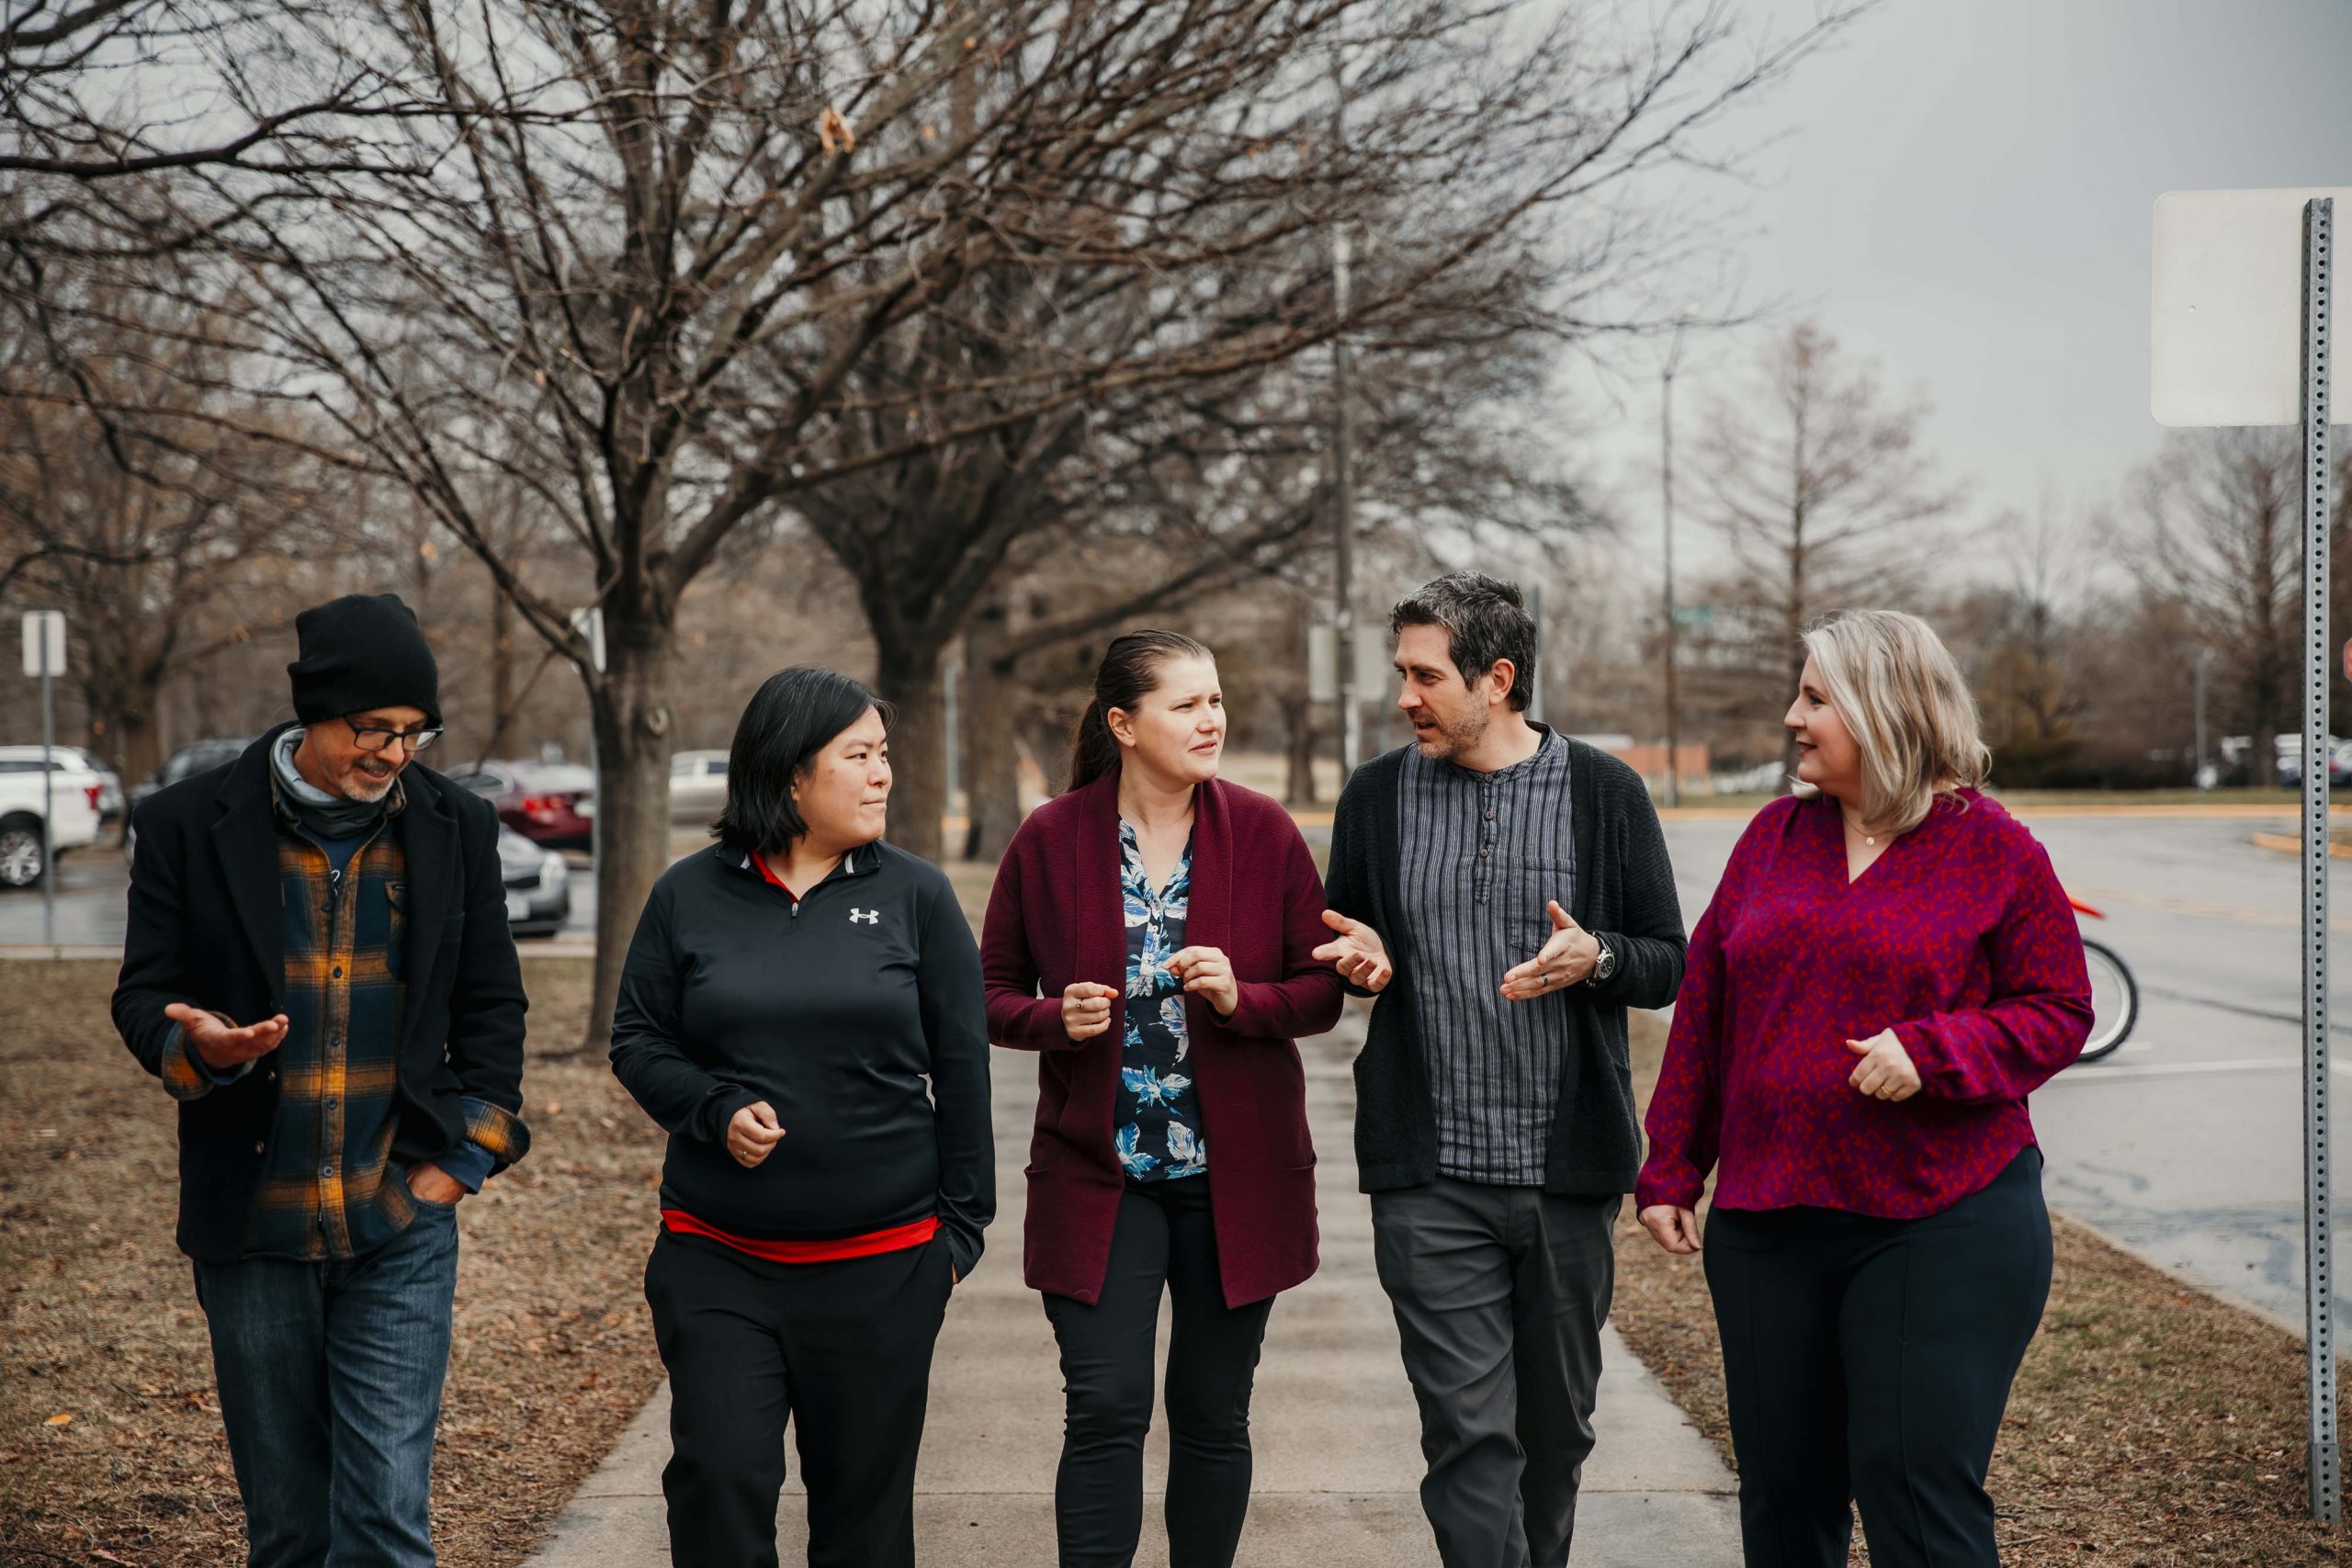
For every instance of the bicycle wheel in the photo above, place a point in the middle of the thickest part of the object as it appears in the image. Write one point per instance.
(2115, 1001)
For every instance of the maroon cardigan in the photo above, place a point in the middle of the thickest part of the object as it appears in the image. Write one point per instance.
(1056, 917)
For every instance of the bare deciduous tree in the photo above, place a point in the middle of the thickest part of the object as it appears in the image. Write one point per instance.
(2223, 513)
(663, 244)
(1818, 485)
(124, 503)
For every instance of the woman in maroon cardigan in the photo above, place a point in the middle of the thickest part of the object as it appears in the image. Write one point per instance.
(1169, 919)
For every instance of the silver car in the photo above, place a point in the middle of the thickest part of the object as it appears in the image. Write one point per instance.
(539, 885)
(697, 785)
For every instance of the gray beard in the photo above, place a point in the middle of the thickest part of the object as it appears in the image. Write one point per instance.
(328, 815)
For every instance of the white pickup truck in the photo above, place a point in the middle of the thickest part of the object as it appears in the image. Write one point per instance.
(72, 799)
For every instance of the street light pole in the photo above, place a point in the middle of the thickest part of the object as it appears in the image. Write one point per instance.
(2204, 656)
(1666, 499)
(1343, 618)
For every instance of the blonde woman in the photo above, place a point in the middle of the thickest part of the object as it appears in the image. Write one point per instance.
(1888, 968)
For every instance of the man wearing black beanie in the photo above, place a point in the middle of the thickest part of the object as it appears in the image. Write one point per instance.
(318, 970)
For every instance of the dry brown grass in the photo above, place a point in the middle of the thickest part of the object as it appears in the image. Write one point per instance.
(98, 1317)
(2151, 1423)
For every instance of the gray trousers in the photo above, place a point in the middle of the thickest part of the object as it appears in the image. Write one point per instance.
(1501, 1294)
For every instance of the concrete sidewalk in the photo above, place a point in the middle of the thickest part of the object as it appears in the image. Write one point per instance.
(1338, 1454)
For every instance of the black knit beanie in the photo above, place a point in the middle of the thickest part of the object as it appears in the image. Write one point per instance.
(362, 651)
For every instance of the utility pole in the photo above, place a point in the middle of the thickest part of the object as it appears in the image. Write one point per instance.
(1343, 618)
(2204, 656)
(1666, 498)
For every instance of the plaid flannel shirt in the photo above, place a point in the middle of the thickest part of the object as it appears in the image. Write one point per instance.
(329, 1188)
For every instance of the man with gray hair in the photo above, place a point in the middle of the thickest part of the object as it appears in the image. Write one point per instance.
(1505, 893)
(317, 969)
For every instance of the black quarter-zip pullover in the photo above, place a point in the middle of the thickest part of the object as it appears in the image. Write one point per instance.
(856, 1013)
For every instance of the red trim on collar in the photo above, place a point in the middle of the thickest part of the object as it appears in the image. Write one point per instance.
(767, 875)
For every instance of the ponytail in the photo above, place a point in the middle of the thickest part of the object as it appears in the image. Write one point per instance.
(1130, 671)
(1095, 751)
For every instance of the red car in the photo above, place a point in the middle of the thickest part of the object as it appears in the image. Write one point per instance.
(552, 804)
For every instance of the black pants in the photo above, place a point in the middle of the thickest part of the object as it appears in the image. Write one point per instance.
(1164, 1240)
(1501, 1293)
(843, 1349)
(1869, 1361)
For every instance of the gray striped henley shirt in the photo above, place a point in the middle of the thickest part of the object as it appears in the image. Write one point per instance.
(1481, 854)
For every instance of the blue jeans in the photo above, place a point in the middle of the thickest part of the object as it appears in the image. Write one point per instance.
(330, 1380)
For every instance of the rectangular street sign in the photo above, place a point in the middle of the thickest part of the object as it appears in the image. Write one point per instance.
(2226, 305)
(44, 626)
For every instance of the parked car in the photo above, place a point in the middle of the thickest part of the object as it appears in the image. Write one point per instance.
(551, 804)
(538, 885)
(190, 760)
(2290, 760)
(110, 800)
(697, 785)
(68, 797)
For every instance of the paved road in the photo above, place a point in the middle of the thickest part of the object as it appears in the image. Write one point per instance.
(2188, 1142)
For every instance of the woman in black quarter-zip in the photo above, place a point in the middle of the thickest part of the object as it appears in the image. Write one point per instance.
(801, 1010)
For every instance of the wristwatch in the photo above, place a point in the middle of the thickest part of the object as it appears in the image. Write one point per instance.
(1604, 965)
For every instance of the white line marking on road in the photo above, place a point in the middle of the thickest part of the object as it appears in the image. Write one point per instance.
(2098, 1071)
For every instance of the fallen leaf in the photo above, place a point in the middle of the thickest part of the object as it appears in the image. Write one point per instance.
(65, 1419)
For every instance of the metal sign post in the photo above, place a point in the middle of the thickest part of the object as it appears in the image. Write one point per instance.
(2240, 291)
(2326, 1483)
(45, 657)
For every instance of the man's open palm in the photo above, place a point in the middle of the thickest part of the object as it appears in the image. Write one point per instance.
(223, 1044)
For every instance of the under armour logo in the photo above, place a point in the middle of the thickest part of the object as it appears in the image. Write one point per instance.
(870, 917)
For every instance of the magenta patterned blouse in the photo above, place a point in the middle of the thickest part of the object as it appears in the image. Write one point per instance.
(1958, 937)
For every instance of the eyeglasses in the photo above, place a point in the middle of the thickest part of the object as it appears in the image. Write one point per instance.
(371, 738)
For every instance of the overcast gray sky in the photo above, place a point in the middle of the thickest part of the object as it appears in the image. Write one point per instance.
(1962, 190)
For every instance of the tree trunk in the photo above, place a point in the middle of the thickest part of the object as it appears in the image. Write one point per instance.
(632, 715)
(908, 677)
(501, 675)
(126, 718)
(991, 736)
(1299, 714)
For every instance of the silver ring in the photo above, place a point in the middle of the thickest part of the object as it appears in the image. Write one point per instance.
(1542, 980)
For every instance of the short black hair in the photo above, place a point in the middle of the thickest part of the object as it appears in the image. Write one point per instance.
(796, 713)
(1484, 619)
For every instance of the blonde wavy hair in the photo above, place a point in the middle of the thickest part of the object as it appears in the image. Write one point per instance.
(1896, 686)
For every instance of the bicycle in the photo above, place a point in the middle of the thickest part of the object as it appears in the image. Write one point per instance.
(2115, 995)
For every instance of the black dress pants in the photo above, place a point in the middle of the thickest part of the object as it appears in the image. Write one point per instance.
(1868, 1362)
(1164, 1240)
(843, 1349)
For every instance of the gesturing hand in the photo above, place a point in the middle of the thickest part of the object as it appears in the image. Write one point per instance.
(1563, 961)
(1675, 1229)
(221, 1044)
(1358, 954)
(1886, 1071)
(752, 1133)
(1086, 1009)
(1208, 973)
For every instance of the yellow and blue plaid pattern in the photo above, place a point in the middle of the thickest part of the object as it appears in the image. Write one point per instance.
(329, 1186)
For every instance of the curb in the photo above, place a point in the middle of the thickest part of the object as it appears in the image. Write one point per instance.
(2280, 843)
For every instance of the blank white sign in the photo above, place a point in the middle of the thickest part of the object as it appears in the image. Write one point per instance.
(45, 627)
(2226, 305)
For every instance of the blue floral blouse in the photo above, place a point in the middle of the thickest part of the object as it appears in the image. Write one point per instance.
(1159, 1118)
